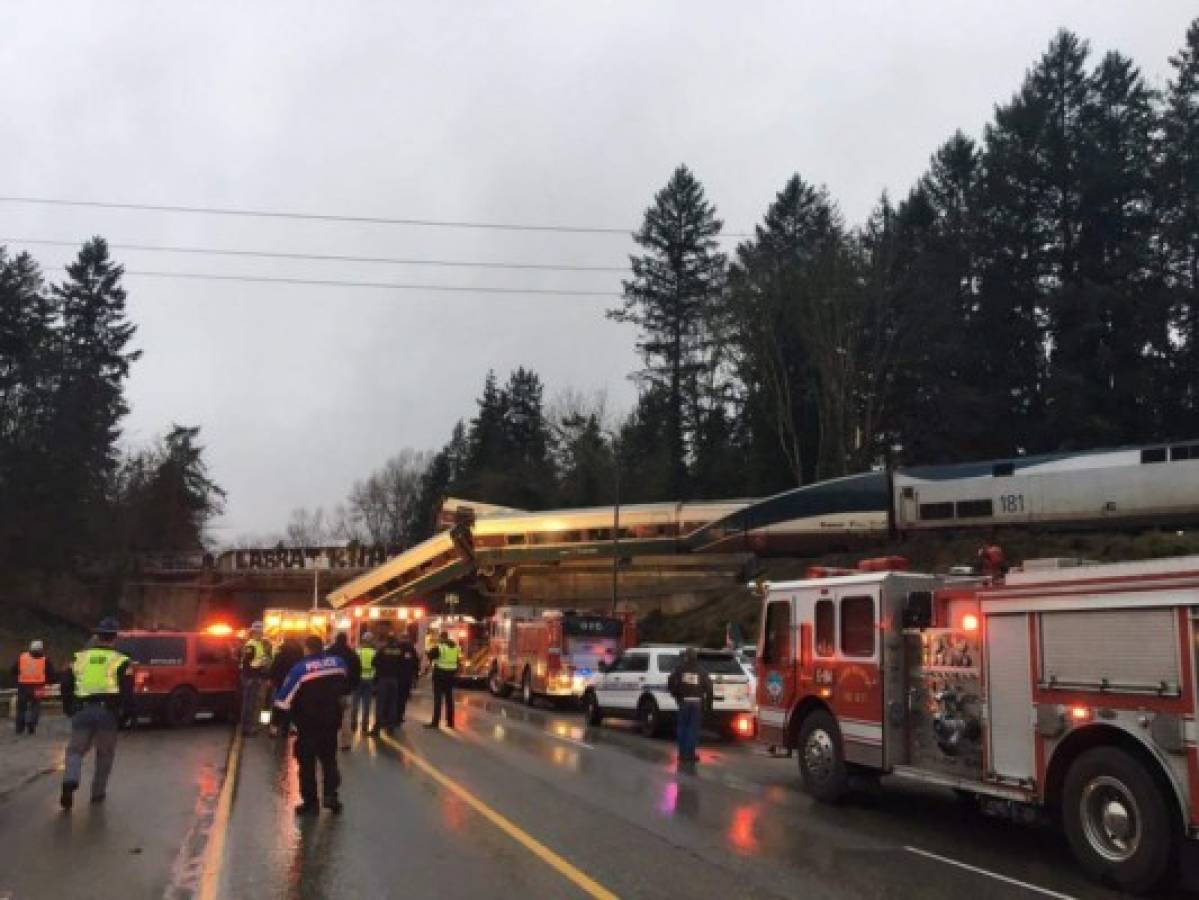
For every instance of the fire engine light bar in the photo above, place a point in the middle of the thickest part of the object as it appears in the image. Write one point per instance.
(358, 613)
(273, 621)
(220, 629)
(375, 613)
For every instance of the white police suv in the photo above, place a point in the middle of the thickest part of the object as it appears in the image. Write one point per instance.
(634, 687)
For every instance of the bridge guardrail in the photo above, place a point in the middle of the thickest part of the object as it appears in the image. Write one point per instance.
(8, 699)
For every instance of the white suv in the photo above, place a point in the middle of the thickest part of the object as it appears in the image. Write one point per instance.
(634, 687)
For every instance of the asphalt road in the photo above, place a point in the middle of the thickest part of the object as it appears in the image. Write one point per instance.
(513, 803)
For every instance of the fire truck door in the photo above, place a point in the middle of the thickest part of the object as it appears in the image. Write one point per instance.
(777, 668)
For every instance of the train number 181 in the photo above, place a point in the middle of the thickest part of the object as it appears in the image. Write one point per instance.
(1011, 503)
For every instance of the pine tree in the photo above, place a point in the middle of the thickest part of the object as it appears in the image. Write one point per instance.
(586, 477)
(528, 473)
(672, 299)
(1177, 179)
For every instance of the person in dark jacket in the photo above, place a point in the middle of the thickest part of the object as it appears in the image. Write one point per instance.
(312, 694)
(291, 651)
(691, 688)
(396, 664)
(32, 672)
(341, 648)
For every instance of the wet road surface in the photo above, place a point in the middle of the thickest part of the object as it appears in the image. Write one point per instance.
(516, 802)
(143, 841)
(614, 807)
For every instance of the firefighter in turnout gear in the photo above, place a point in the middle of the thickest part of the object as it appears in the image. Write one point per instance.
(255, 668)
(32, 672)
(444, 658)
(96, 690)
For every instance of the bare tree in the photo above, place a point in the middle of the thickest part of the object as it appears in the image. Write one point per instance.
(381, 505)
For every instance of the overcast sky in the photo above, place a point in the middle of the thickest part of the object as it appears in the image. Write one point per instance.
(544, 113)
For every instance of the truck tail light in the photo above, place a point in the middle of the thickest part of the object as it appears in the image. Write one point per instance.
(1080, 714)
(743, 725)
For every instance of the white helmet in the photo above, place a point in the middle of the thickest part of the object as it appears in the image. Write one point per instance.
(35, 647)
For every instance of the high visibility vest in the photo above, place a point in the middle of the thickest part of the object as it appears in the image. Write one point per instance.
(447, 657)
(262, 656)
(31, 669)
(366, 656)
(95, 672)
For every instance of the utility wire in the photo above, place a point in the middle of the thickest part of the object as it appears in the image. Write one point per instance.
(322, 257)
(328, 217)
(382, 285)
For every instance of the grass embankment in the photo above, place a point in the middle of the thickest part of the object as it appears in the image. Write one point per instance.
(705, 624)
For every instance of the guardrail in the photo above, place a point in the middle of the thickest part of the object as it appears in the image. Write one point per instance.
(8, 699)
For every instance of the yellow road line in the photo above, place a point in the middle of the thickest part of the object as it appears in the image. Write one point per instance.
(588, 884)
(214, 853)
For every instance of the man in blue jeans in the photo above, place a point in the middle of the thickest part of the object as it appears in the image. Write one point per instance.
(691, 688)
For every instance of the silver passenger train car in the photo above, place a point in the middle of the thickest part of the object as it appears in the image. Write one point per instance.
(1154, 484)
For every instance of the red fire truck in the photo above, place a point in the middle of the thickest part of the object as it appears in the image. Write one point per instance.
(552, 652)
(1064, 687)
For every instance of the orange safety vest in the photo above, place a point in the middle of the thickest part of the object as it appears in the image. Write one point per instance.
(31, 669)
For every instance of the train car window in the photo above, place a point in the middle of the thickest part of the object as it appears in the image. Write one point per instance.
(933, 511)
(974, 509)
(826, 629)
(1003, 469)
(1184, 452)
(516, 539)
(857, 627)
(1153, 455)
(909, 493)
(778, 632)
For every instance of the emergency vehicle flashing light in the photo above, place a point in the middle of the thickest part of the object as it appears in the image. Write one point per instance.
(1080, 713)
(220, 629)
(744, 725)
(970, 622)
(374, 612)
(273, 621)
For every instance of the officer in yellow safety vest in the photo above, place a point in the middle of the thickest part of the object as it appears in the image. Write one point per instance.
(32, 672)
(255, 667)
(364, 693)
(97, 690)
(444, 658)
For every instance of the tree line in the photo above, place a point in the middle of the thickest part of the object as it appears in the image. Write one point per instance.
(68, 487)
(1037, 289)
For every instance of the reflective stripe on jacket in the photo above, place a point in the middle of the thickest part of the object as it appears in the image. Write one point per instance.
(366, 656)
(31, 669)
(97, 671)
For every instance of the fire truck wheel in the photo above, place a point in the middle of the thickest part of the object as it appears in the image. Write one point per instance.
(181, 707)
(591, 709)
(497, 685)
(821, 760)
(1117, 820)
(526, 689)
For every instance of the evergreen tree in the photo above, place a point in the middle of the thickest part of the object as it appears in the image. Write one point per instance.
(528, 473)
(586, 477)
(643, 450)
(1177, 179)
(672, 299)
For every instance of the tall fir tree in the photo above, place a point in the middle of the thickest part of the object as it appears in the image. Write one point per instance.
(1177, 209)
(672, 298)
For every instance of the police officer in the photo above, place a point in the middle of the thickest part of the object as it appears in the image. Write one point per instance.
(396, 663)
(97, 689)
(691, 688)
(444, 658)
(255, 667)
(312, 694)
(360, 708)
(32, 672)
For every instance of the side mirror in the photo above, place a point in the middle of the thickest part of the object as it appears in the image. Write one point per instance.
(918, 612)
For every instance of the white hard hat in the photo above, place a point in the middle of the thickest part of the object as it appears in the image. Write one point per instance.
(367, 636)
(35, 646)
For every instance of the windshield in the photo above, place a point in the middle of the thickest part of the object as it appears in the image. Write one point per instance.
(720, 664)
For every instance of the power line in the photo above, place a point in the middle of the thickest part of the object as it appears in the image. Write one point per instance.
(323, 257)
(381, 285)
(329, 217)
